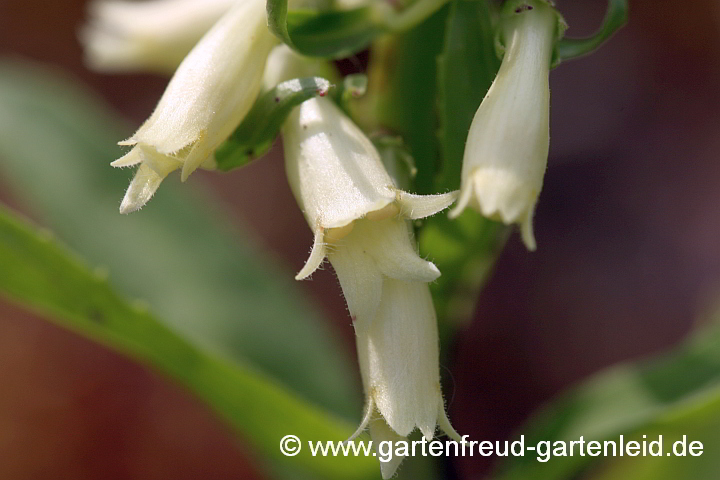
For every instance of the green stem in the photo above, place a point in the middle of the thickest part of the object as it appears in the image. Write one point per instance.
(615, 18)
(413, 15)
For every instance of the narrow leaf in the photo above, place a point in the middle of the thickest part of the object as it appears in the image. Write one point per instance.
(36, 270)
(466, 69)
(403, 93)
(208, 280)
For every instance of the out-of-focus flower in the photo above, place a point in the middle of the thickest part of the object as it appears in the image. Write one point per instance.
(209, 95)
(507, 147)
(149, 36)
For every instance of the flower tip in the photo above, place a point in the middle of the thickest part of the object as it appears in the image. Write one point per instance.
(317, 255)
(446, 427)
(186, 171)
(455, 212)
(128, 142)
(142, 187)
(388, 469)
(133, 157)
(427, 431)
(127, 206)
(435, 272)
(420, 206)
(527, 233)
(381, 432)
(463, 201)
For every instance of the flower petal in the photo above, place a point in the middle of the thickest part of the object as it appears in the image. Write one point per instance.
(381, 433)
(359, 277)
(317, 255)
(420, 206)
(213, 88)
(398, 356)
(143, 186)
(389, 243)
(334, 170)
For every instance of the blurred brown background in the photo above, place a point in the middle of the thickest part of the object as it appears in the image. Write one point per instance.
(629, 258)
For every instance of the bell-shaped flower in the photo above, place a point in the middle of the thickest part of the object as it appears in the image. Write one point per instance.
(151, 36)
(337, 177)
(209, 95)
(398, 355)
(507, 147)
(360, 219)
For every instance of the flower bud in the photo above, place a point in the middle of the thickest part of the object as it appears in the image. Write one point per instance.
(209, 95)
(507, 147)
(152, 36)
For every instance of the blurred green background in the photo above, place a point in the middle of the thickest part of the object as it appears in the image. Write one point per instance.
(628, 264)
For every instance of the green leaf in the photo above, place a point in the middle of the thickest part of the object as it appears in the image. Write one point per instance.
(331, 34)
(466, 69)
(697, 423)
(397, 160)
(615, 18)
(678, 394)
(342, 33)
(464, 249)
(404, 96)
(37, 271)
(258, 131)
(206, 279)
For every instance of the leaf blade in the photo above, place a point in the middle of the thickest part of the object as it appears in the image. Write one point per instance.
(37, 271)
(208, 281)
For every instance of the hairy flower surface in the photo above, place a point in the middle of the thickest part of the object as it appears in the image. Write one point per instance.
(360, 219)
(337, 177)
(209, 95)
(507, 147)
(398, 354)
(149, 36)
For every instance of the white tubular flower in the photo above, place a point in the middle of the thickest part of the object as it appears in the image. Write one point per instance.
(337, 177)
(507, 147)
(152, 36)
(209, 95)
(398, 355)
(361, 224)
